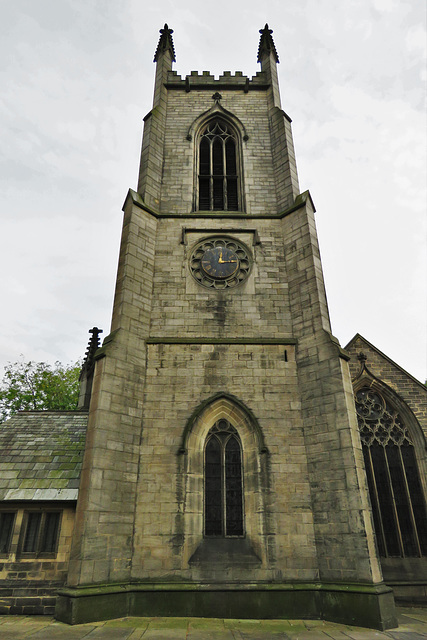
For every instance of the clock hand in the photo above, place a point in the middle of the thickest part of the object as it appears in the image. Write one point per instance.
(220, 260)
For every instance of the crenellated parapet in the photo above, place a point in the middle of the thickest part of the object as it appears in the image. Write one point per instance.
(226, 81)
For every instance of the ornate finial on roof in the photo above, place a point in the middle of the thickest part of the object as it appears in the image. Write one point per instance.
(266, 44)
(86, 374)
(362, 359)
(217, 97)
(165, 43)
(93, 345)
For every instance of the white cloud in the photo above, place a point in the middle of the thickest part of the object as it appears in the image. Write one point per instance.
(385, 6)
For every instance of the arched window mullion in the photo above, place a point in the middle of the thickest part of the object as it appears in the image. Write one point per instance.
(399, 509)
(409, 501)
(376, 501)
(224, 494)
(394, 508)
(233, 487)
(223, 150)
(223, 482)
(418, 501)
(224, 172)
(211, 178)
(213, 497)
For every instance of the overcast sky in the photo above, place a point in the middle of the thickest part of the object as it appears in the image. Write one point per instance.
(76, 81)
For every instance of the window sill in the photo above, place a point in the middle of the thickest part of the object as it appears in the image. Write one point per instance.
(225, 552)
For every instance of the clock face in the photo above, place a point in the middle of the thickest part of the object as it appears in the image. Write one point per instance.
(220, 262)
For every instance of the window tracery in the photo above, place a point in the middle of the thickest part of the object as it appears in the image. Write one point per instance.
(223, 481)
(218, 179)
(398, 505)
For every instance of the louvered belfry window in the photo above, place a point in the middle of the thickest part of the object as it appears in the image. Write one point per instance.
(218, 179)
(398, 505)
(223, 482)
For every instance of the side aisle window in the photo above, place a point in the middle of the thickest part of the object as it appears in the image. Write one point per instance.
(41, 533)
(398, 504)
(7, 520)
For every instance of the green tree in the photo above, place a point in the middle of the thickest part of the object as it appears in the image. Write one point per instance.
(29, 386)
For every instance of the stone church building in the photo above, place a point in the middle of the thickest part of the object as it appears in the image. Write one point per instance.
(220, 463)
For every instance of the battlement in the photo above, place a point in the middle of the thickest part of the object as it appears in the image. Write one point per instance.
(206, 80)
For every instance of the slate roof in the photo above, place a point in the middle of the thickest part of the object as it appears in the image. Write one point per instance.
(41, 455)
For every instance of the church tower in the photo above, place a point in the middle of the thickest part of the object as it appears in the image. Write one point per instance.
(223, 472)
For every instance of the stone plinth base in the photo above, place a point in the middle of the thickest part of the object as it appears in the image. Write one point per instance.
(354, 604)
(411, 594)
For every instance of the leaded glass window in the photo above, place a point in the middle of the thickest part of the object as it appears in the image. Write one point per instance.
(218, 173)
(41, 532)
(32, 532)
(398, 505)
(223, 481)
(7, 520)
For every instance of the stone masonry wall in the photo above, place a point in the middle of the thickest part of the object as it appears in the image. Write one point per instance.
(265, 380)
(29, 585)
(258, 307)
(175, 345)
(407, 575)
(179, 171)
(405, 386)
(343, 527)
(102, 544)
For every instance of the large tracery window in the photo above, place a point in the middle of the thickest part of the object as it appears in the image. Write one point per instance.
(218, 168)
(398, 504)
(223, 481)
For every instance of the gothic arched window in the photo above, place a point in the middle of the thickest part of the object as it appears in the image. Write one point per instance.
(218, 168)
(223, 481)
(398, 504)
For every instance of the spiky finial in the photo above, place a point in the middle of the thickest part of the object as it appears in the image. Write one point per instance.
(87, 371)
(165, 43)
(93, 345)
(266, 44)
(362, 359)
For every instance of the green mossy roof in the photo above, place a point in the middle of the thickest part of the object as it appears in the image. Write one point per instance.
(41, 455)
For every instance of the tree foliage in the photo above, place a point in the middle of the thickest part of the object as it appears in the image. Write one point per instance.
(29, 386)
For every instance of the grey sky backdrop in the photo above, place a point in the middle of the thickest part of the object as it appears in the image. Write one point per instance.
(77, 79)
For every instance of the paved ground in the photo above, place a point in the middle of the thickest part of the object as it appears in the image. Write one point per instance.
(412, 626)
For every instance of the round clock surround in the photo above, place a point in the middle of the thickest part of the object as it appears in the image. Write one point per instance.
(220, 262)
